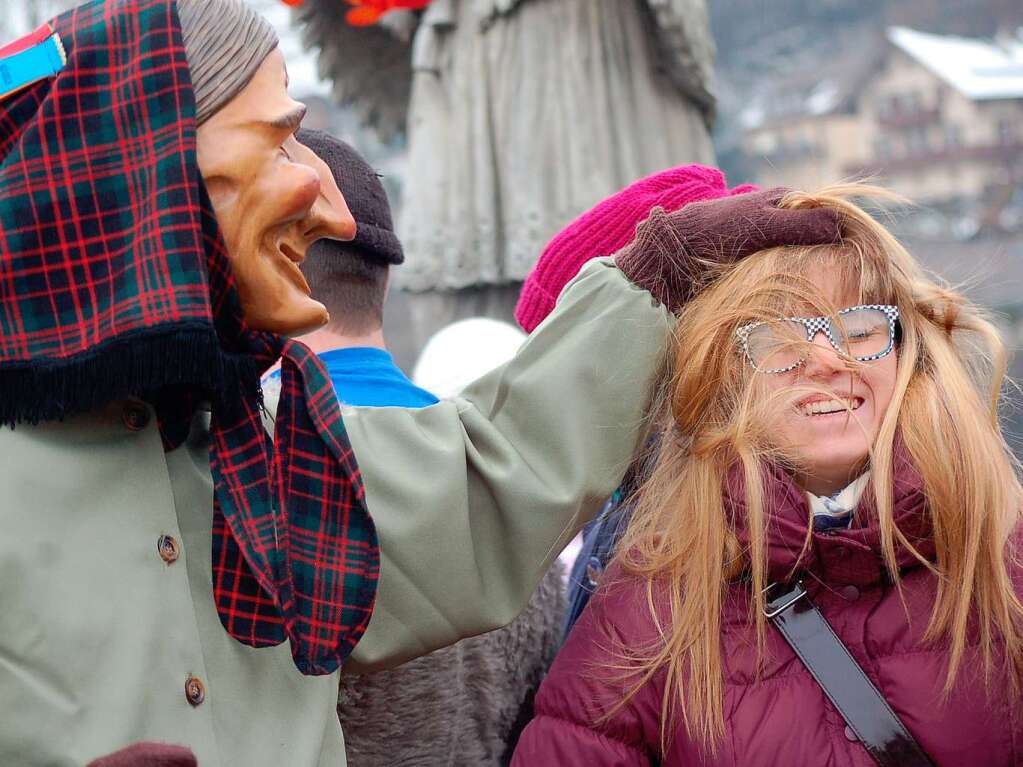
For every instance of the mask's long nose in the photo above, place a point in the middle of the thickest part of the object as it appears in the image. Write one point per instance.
(329, 216)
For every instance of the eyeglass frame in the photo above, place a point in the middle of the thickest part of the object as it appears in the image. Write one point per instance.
(822, 324)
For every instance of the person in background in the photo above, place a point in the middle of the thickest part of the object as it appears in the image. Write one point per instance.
(350, 279)
(823, 565)
(463, 704)
(606, 228)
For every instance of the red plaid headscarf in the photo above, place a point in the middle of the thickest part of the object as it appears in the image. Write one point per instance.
(114, 282)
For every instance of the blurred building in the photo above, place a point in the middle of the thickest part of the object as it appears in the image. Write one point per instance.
(944, 119)
(804, 128)
(938, 118)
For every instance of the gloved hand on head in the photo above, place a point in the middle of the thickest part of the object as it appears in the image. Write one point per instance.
(673, 254)
(691, 218)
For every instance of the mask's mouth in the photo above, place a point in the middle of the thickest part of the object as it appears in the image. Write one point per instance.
(291, 254)
(830, 406)
(289, 265)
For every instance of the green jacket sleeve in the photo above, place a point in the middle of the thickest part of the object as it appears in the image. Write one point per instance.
(474, 497)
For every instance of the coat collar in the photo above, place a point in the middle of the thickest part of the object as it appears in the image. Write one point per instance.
(847, 556)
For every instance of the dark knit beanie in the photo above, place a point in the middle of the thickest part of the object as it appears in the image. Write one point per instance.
(359, 183)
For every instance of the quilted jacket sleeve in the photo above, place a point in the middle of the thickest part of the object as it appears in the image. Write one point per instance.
(576, 719)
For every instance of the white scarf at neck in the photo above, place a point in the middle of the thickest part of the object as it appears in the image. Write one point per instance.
(836, 511)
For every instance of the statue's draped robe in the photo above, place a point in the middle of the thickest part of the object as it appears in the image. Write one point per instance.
(524, 113)
(519, 116)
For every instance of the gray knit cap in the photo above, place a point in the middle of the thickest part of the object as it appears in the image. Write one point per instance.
(225, 42)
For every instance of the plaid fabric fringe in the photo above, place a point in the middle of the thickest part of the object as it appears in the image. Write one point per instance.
(319, 516)
(143, 360)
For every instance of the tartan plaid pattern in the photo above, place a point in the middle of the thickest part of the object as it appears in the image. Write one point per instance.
(319, 516)
(99, 190)
(114, 281)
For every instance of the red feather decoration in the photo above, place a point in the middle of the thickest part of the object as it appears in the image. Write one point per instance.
(368, 12)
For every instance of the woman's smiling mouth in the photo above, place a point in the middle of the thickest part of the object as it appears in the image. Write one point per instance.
(821, 407)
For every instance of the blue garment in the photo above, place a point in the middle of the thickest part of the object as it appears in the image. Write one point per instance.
(600, 538)
(367, 377)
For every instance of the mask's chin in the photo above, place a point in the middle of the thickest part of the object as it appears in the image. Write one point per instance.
(293, 317)
(299, 318)
(318, 317)
(274, 294)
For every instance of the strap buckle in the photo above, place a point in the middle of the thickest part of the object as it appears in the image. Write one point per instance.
(784, 597)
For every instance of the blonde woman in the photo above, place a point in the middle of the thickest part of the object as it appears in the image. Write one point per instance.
(830, 421)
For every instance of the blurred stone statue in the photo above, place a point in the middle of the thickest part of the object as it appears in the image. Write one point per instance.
(519, 115)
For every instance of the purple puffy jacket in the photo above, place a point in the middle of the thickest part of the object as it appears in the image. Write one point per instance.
(783, 719)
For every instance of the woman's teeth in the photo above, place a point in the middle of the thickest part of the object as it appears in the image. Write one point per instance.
(824, 407)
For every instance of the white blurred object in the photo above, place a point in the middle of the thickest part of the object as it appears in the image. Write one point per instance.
(458, 354)
(568, 556)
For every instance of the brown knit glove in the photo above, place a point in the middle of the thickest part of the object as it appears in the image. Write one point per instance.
(148, 755)
(673, 253)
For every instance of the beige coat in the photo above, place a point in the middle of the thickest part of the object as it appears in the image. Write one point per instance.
(103, 641)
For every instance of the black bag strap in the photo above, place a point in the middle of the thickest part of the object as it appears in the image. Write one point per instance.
(864, 709)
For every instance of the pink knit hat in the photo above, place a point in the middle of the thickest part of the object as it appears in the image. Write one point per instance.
(608, 227)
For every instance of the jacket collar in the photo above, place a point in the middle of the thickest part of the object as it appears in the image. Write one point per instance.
(846, 556)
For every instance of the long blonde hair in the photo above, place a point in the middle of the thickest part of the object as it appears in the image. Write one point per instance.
(950, 370)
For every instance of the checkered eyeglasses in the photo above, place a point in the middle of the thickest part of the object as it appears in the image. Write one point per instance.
(863, 333)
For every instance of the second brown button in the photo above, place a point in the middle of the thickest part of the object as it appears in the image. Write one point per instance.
(168, 548)
(195, 690)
